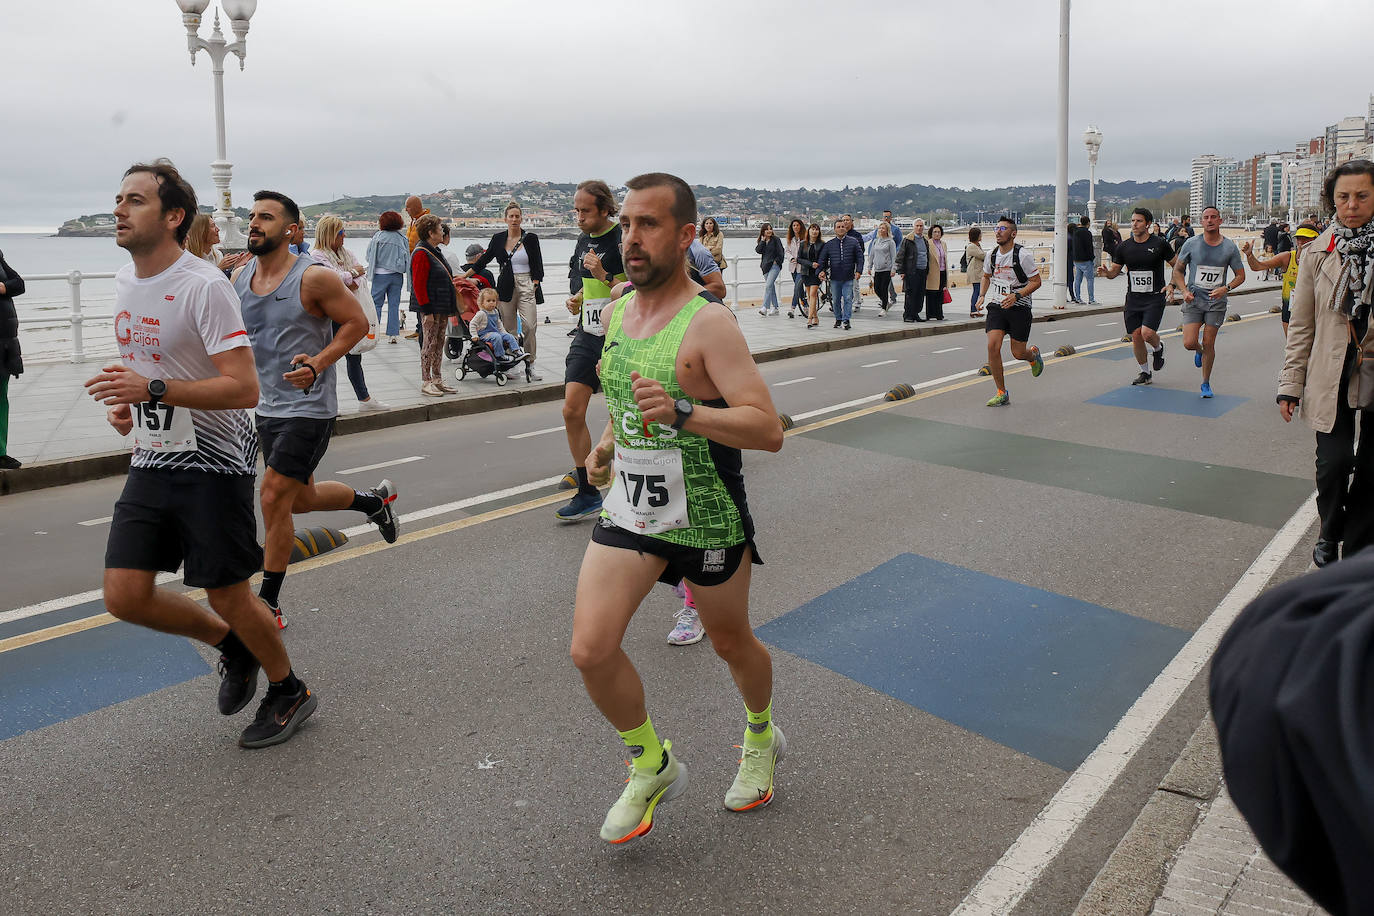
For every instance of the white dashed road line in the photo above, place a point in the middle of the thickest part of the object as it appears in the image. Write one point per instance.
(379, 464)
(947, 350)
(885, 362)
(92, 522)
(804, 378)
(537, 432)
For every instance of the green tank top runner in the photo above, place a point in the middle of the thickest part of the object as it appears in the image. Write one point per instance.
(715, 519)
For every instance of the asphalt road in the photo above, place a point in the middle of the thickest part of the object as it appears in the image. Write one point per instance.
(961, 602)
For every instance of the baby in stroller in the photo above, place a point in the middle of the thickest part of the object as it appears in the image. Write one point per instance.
(494, 349)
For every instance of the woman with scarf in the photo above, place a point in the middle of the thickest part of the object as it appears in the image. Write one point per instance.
(1328, 362)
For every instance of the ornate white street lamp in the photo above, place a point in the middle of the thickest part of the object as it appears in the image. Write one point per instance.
(1092, 139)
(239, 12)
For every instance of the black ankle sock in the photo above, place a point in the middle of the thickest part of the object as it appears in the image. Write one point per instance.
(583, 486)
(271, 587)
(231, 645)
(288, 684)
(366, 502)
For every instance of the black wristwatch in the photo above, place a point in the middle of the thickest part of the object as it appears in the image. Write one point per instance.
(684, 412)
(157, 389)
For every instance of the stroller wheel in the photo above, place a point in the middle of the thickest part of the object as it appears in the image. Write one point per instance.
(462, 371)
(500, 377)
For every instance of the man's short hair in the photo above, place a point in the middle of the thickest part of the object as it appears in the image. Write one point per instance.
(293, 212)
(1145, 212)
(1083, 220)
(1006, 218)
(684, 207)
(1209, 207)
(173, 192)
(602, 194)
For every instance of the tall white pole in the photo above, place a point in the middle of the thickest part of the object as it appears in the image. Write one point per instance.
(1061, 188)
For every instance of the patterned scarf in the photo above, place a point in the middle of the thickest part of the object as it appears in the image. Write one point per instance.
(1357, 267)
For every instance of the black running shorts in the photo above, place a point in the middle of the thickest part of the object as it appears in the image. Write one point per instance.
(1016, 321)
(583, 356)
(164, 518)
(1144, 311)
(294, 446)
(697, 565)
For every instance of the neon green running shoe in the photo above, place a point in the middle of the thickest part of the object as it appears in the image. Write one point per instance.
(632, 815)
(1002, 399)
(753, 785)
(1037, 364)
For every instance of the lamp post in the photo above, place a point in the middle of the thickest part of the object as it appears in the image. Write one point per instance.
(239, 12)
(1092, 139)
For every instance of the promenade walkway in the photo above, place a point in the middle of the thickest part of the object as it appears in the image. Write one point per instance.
(53, 419)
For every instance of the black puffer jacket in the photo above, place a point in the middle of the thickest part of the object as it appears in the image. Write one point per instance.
(11, 362)
(772, 253)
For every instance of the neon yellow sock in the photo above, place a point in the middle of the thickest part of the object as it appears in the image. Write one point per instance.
(760, 730)
(645, 750)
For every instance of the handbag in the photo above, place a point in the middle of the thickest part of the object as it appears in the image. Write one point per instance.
(947, 297)
(368, 340)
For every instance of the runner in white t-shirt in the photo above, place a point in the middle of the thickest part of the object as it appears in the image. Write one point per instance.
(1010, 276)
(184, 386)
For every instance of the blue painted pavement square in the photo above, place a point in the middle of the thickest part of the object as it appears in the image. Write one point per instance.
(1041, 673)
(60, 679)
(1169, 400)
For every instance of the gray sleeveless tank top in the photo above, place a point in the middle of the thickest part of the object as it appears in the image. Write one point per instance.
(280, 328)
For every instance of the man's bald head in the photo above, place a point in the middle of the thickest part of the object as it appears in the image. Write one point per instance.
(414, 206)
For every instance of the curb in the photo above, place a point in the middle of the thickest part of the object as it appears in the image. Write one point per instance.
(1137, 870)
(63, 471)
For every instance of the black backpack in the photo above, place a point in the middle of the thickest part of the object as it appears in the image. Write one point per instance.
(963, 261)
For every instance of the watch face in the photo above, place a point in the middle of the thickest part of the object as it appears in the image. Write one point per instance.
(157, 387)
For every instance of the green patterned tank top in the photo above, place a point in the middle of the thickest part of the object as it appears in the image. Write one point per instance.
(716, 517)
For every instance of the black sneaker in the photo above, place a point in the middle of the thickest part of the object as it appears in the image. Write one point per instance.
(1144, 378)
(385, 517)
(9, 464)
(838, 323)
(279, 715)
(1159, 358)
(238, 681)
(846, 325)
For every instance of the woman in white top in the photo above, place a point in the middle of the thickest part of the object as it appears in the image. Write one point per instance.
(329, 250)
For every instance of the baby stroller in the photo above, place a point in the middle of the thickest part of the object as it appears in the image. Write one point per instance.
(478, 355)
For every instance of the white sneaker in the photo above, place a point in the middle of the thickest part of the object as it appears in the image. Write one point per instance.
(689, 630)
(393, 339)
(370, 405)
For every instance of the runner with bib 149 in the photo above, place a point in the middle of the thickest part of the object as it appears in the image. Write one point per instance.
(684, 397)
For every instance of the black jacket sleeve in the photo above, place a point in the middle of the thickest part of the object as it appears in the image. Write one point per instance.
(536, 256)
(14, 284)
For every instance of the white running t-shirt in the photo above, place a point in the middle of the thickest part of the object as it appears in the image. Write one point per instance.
(168, 327)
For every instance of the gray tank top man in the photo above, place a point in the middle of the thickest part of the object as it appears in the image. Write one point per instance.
(279, 328)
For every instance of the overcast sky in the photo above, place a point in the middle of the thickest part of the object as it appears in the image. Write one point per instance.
(392, 96)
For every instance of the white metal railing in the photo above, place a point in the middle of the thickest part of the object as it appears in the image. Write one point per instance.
(76, 316)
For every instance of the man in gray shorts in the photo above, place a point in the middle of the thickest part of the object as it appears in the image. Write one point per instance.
(1207, 258)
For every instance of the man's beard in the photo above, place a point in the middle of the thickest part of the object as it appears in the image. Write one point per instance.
(262, 245)
(652, 274)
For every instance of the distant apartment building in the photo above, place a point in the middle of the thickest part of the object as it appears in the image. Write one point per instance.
(1198, 196)
(1345, 140)
(1263, 179)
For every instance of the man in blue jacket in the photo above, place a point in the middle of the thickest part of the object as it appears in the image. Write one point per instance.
(842, 260)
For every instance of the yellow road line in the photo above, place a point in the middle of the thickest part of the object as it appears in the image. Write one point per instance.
(329, 559)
